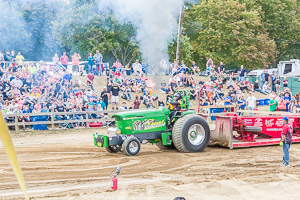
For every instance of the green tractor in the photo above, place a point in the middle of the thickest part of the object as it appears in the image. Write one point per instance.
(175, 127)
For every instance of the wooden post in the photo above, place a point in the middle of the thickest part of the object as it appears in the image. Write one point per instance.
(209, 115)
(16, 124)
(87, 123)
(52, 120)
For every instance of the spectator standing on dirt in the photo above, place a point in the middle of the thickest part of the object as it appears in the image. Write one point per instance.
(91, 62)
(241, 103)
(262, 79)
(114, 93)
(75, 63)
(55, 59)
(273, 104)
(104, 95)
(286, 141)
(242, 74)
(273, 81)
(98, 61)
(64, 60)
(251, 103)
(19, 59)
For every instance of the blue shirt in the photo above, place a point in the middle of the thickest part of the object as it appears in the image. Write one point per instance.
(287, 99)
(103, 105)
(227, 103)
(240, 101)
(262, 76)
(242, 73)
(68, 77)
(91, 60)
(180, 70)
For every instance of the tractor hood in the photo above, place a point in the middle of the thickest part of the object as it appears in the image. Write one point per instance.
(140, 121)
(142, 113)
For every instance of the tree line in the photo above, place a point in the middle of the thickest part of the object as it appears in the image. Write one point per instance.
(255, 33)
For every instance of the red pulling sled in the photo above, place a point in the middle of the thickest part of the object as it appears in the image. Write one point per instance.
(235, 131)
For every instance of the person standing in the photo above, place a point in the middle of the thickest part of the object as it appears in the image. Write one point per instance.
(64, 60)
(242, 74)
(75, 63)
(262, 79)
(19, 60)
(98, 61)
(241, 103)
(91, 62)
(273, 80)
(114, 93)
(7, 58)
(286, 141)
(104, 95)
(251, 103)
(1, 59)
(55, 59)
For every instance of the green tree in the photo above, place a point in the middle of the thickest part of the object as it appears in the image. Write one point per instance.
(82, 29)
(186, 50)
(282, 21)
(228, 31)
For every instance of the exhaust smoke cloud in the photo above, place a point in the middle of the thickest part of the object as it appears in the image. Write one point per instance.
(155, 22)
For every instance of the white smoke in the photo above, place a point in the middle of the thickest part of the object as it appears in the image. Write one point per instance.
(154, 20)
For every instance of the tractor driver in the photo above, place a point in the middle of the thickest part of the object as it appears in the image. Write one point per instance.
(175, 105)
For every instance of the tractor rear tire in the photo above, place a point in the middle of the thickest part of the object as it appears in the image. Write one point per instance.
(131, 146)
(112, 149)
(165, 147)
(253, 129)
(191, 133)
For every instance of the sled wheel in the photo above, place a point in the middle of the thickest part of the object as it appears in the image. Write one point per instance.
(131, 146)
(191, 133)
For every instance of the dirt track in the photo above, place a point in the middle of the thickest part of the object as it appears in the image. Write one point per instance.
(66, 165)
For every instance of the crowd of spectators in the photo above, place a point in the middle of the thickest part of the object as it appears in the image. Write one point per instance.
(35, 87)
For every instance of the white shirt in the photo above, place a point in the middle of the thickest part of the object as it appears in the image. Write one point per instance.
(137, 66)
(265, 88)
(251, 101)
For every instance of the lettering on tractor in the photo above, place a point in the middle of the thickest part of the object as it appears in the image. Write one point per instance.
(147, 124)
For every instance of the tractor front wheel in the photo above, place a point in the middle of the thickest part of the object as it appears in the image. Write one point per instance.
(131, 146)
(191, 133)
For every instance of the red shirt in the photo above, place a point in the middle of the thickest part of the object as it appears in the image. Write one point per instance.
(90, 78)
(64, 60)
(287, 127)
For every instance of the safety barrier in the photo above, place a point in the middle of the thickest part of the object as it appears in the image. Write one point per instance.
(42, 118)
